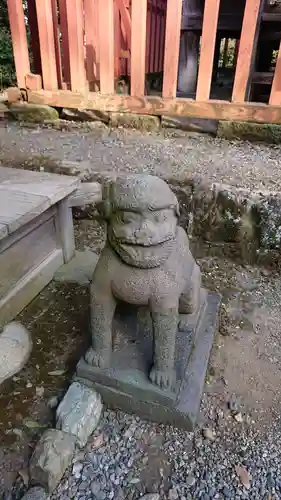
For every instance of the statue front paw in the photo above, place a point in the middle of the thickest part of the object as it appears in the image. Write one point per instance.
(163, 379)
(96, 359)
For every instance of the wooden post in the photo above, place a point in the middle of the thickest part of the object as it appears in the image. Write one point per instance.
(246, 50)
(75, 27)
(209, 34)
(148, 36)
(64, 42)
(19, 39)
(92, 40)
(57, 42)
(275, 95)
(47, 44)
(34, 36)
(65, 230)
(139, 9)
(106, 37)
(172, 48)
(117, 41)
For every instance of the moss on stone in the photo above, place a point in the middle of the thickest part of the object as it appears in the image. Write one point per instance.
(269, 133)
(146, 123)
(33, 113)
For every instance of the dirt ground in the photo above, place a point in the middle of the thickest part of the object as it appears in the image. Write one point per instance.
(245, 364)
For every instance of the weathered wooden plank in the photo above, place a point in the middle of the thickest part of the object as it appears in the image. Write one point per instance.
(275, 95)
(172, 48)
(245, 53)
(19, 39)
(207, 51)
(27, 289)
(92, 40)
(139, 9)
(17, 208)
(216, 110)
(18, 259)
(47, 44)
(3, 231)
(106, 37)
(75, 27)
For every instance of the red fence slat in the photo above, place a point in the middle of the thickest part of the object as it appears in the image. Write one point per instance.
(245, 52)
(92, 40)
(75, 27)
(64, 42)
(275, 95)
(47, 44)
(172, 48)
(207, 51)
(57, 42)
(18, 32)
(106, 36)
(138, 46)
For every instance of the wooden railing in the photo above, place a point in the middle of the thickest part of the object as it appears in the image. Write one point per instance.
(86, 44)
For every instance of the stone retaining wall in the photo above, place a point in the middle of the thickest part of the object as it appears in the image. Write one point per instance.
(236, 223)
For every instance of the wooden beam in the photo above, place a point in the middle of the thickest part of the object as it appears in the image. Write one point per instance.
(126, 19)
(246, 50)
(214, 110)
(64, 42)
(57, 42)
(275, 95)
(19, 39)
(92, 40)
(33, 82)
(75, 27)
(208, 42)
(138, 46)
(47, 44)
(172, 48)
(34, 36)
(106, 37)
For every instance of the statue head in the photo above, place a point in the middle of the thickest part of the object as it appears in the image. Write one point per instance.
(142, 214)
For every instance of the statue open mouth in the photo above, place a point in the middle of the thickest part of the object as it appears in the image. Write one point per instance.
(145, 257)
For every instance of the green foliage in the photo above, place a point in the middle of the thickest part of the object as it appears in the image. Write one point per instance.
(7, 68)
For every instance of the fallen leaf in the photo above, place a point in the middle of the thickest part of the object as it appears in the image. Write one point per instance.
(243, 475)
(25, 476)
(56, 373)
(32, 424)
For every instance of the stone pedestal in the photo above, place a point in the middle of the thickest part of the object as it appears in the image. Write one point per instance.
(125, 385)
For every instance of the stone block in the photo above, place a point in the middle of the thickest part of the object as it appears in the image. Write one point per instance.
(15, 349)
(36, 493)
(33, 113)
(51, 457)
(79, 270)
(79, 412)
(265, 132)
(147, 123)
(126, 385)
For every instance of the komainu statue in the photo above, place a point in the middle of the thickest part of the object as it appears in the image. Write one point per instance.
(146, 261)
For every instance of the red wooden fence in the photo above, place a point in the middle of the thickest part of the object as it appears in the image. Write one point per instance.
(86, 44)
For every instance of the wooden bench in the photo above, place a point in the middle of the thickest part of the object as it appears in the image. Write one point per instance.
(36, 232)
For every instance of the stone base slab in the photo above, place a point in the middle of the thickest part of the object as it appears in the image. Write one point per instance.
(125, 385)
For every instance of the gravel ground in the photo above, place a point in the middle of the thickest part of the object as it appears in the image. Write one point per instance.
(235, 451)
(253, 166)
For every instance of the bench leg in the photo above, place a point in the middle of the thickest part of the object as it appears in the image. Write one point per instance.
(66, 230)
